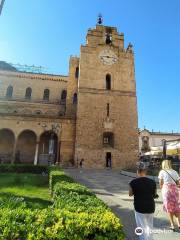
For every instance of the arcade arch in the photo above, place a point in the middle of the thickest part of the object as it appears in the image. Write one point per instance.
(26, 147)
(7, 141)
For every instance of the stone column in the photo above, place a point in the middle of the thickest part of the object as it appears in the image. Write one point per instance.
(14, 152)
(36, 153)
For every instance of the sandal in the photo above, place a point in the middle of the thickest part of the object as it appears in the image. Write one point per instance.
(172, 228)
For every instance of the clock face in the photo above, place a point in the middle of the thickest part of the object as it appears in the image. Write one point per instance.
(108, 57)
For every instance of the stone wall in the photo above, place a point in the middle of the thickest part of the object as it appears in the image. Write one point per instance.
(38, 82)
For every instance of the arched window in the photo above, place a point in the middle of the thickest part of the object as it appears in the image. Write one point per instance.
(108, 35)
(75, 98)
(108, 108)
(9, 92)
(28, 93)
(108, 38)
(77, 72)
(108, 82)
(63, 95)
(46, 95)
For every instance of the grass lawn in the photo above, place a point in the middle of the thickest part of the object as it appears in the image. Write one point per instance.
(31, 190)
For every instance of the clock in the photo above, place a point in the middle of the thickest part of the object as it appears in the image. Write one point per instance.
(108, 57)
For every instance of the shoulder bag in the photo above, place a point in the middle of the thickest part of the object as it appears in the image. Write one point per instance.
(173, 179)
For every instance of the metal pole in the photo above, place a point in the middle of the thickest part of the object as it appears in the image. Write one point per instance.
(164, 149)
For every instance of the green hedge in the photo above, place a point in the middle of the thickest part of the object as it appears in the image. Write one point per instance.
(22, 168)
(76, 198)
(79, 200)
(57, 175)
(54, 224)
(76, 214)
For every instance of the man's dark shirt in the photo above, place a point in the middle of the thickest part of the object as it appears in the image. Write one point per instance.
(144, 190)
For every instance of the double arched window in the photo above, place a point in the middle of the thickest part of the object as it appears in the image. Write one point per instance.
(9, 91)
(28, 93)
(108, 82)
(46, 95)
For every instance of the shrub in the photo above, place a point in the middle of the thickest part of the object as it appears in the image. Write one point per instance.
(12, 202)
(76, 214)
(57, 175)
(69, 187)
(76, 198)
(23, 168)
(49, 224)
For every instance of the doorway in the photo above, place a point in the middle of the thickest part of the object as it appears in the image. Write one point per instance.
(48, 148)
(108, 160)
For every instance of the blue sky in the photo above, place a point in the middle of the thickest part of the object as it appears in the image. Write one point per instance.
(46, 33)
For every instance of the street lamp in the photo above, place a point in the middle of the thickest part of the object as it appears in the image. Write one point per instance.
(55, 127)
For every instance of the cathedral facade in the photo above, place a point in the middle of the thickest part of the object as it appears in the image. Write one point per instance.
(91, 114)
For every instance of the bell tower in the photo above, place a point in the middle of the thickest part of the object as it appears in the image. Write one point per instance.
(106, 126)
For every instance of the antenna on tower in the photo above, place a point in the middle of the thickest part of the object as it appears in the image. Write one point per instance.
(100, 19)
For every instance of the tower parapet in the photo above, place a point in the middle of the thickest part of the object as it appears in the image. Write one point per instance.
(105, 35)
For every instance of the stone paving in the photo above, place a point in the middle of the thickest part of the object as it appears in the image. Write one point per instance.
(112, 187)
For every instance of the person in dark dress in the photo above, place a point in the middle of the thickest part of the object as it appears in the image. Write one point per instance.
(81, 163)
(144, 191)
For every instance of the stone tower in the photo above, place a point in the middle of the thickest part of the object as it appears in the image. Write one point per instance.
(71, 100)
(106, 125)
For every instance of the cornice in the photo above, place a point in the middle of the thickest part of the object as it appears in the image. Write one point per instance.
(107, 92)
(40, 76)
(34, 117)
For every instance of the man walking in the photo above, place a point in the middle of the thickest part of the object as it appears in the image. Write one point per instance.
(144, 191)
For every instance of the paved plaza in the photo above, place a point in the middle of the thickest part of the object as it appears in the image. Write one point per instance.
(112, 187)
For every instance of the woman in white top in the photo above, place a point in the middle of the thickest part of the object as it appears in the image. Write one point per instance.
(168, 180)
